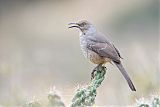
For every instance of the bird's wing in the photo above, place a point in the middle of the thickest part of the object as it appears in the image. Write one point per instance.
(104, 49)
(100, 38)
(118, 52)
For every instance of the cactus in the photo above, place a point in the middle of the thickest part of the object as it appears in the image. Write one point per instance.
(153, 102)
(32, 104)
(55, 99)
(86, 96)
(156, 101)
(142, 103)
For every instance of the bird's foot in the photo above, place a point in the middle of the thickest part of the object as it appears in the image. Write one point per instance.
(93, 73)
(97, 68)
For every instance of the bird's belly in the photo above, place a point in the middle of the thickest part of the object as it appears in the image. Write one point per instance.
(95, 58)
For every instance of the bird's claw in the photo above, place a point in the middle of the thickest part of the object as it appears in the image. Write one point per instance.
(93, 74)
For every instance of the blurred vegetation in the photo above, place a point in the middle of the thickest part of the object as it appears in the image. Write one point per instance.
(85, 97)
(54, 100)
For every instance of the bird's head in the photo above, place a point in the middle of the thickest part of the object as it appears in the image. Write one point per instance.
(84, 26)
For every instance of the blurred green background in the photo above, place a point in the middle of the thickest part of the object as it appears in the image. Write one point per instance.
(38, 51)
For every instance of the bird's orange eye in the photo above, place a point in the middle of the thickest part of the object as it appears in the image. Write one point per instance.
(82, 24)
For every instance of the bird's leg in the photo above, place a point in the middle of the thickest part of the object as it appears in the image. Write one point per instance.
(94, 70)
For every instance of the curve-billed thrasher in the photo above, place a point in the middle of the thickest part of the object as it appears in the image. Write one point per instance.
(96, 47)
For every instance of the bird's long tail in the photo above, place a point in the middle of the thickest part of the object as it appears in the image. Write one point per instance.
(126, 76)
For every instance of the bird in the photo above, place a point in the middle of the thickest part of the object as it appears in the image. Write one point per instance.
(98, 48)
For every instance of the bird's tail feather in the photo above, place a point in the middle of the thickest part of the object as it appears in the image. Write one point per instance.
(126, 76)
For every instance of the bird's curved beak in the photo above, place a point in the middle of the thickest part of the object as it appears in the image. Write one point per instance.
(72, 25)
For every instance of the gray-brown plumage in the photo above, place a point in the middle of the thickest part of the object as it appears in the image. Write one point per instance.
(98, 49)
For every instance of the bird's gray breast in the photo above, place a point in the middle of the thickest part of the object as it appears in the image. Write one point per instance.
(83, 44)
(89, 54)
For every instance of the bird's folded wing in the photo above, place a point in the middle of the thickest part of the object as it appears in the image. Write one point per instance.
(104, 50)
(117, 52)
